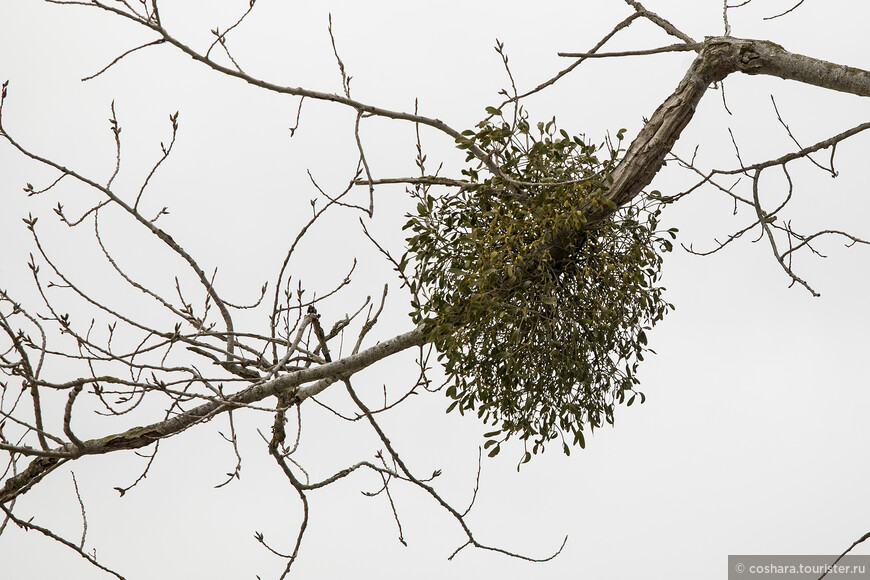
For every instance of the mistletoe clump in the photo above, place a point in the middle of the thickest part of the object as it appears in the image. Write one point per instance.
(535, 290)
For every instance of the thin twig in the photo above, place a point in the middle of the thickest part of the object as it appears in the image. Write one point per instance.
(29, 525)
(662, 49)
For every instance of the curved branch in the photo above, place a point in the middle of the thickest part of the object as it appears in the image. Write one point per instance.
(360, 107)
(142, 436)
(29, 525)
(460, 518)
(148, 224)
(719, 57)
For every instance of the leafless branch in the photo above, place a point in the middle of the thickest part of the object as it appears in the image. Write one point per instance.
(552, 80)
(860, 540)
(121, 57)
(660, 22)
(233, 440)
(794, 139)
(423, 180)
(82, 508)
(29, 525)
(649, 51)
(793, 8)
(431, 491)
(221, 37)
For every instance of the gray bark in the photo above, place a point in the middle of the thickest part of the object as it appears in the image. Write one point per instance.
(717, 58)
(138, 437)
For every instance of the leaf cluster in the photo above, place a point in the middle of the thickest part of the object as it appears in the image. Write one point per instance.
(538, 347)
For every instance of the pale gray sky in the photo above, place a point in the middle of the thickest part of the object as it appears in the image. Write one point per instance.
(753, 436)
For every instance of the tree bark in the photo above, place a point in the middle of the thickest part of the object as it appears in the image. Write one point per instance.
(717, 58)
(138, 437)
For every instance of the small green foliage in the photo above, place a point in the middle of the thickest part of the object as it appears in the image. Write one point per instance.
(539, 312)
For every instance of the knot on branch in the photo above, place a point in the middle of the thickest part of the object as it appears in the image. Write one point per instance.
(721, 56)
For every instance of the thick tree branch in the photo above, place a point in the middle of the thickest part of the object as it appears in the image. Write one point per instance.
(718, 58)
(142, 436)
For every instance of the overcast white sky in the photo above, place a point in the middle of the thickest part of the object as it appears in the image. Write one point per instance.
(753, 437)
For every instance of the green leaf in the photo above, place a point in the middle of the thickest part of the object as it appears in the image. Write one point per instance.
(537, 347)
